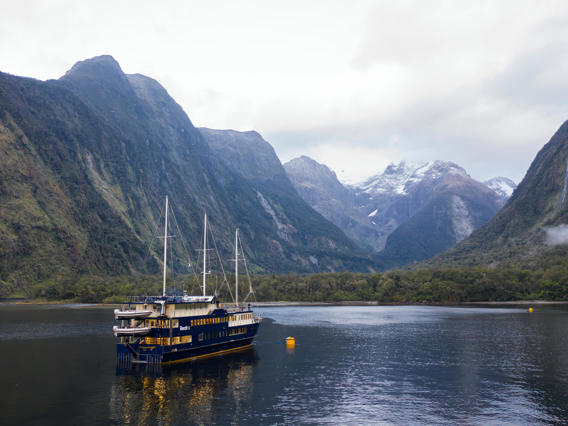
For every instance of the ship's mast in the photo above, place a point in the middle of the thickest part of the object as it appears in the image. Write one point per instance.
(236, 267)
(204, 251)
(165, 248)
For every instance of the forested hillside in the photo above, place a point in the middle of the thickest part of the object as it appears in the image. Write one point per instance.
(86, 163)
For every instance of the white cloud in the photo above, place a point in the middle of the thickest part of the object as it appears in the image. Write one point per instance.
(556, 235)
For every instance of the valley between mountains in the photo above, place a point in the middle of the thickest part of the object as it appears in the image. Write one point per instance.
(87, 160)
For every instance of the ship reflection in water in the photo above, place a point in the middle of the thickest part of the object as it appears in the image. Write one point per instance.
(146, 393)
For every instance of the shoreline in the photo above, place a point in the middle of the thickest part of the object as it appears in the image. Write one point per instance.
(375, 303)
(290, 303)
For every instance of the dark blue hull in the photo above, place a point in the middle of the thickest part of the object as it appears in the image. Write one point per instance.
(157, 354)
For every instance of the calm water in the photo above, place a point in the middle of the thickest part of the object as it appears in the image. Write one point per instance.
(351, 364)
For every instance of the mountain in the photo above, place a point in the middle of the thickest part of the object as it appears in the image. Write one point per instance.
(248, 155)
(407, 213)
(504, 187)
(86, 163)
(321, 189)
(456, 206)
(532, 224)
(398, 193)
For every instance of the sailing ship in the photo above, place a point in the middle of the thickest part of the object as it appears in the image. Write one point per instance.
(170, 329)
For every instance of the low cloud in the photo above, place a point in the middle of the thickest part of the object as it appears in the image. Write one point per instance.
(556, 235)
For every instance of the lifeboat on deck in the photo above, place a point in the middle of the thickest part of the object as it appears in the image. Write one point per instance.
(130, 331)
(118, 314)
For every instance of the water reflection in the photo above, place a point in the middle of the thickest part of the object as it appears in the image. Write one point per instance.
(146, 394)
(401, 365)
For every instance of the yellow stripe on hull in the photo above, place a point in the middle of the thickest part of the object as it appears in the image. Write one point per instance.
(212, 354)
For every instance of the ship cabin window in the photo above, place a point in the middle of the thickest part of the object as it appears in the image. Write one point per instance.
(200, 337)
(164, 341)
(186, 339)
(175, 323)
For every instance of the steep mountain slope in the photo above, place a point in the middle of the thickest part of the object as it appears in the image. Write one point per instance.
(247, 154)
(251, 157)
(86, 162)
(516, 235)
(321, 189)
(458, 205)
(53, 219)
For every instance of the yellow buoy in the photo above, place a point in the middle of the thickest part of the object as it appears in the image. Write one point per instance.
(530, 309)
(290, 342)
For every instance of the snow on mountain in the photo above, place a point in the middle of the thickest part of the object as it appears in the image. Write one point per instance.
(503, 186)
(407, 213)
(397, 179)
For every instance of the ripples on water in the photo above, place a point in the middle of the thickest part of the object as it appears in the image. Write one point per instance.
(351, 364)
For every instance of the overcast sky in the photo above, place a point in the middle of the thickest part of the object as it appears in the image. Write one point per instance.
(353, 84)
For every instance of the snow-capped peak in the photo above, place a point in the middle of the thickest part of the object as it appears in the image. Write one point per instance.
(502, 186)
(397, 178)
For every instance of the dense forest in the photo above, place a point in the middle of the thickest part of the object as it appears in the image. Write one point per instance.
(402, 286)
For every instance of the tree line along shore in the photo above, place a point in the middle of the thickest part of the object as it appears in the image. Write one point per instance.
(452, 285)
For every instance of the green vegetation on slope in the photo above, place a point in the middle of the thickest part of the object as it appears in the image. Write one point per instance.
(85, 164)
(515, 235)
